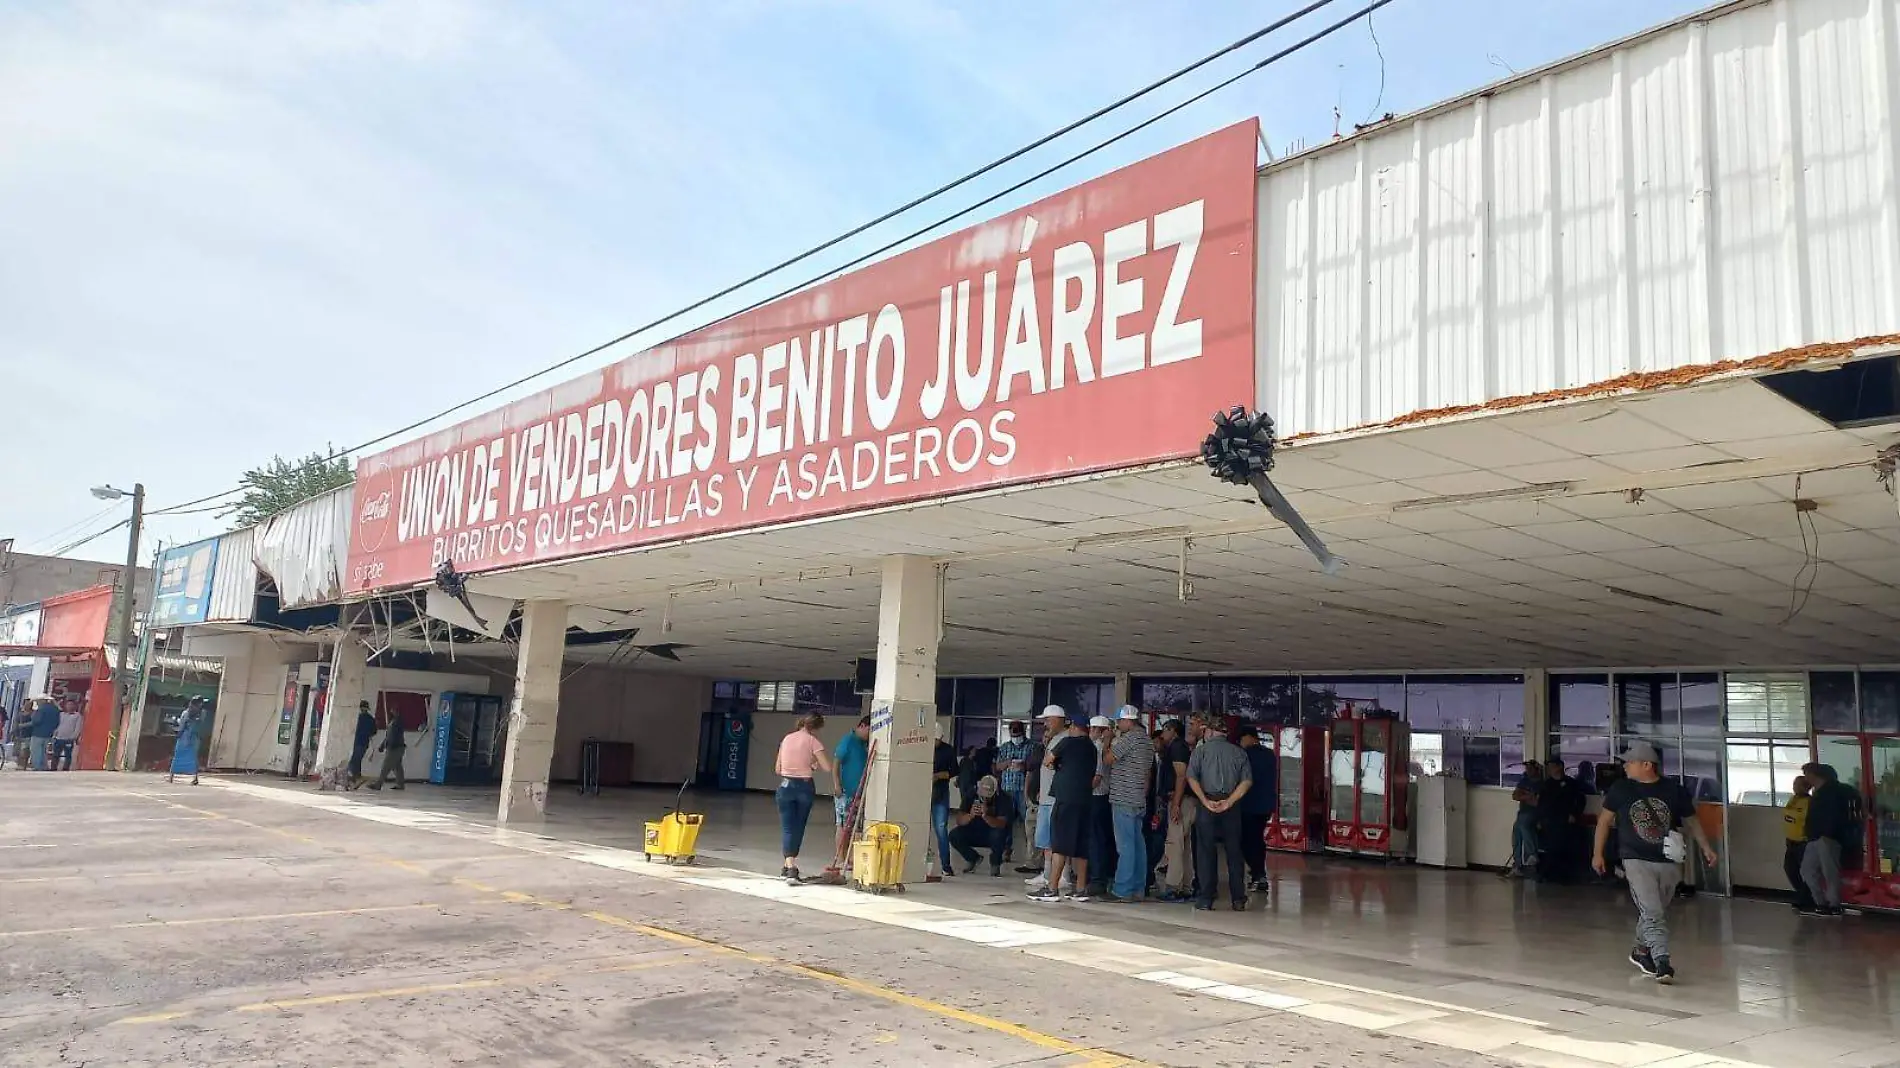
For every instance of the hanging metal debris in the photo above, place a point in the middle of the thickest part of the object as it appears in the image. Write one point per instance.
(1240, 451)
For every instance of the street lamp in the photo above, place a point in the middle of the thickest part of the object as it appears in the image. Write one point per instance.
(128, 747)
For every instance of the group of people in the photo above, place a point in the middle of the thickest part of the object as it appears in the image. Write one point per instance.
(44, 733)
(1824, 834)
(801, 756)
(1546, 839)
(1106, 810)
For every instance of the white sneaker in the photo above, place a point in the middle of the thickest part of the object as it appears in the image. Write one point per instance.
(1036, 883)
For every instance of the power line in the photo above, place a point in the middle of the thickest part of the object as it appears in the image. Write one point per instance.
(95, 536)
(70, 528)
(1363, 12)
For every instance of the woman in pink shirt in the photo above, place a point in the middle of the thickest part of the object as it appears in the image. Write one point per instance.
(799, 755)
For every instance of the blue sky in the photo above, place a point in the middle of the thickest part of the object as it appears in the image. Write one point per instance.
(233, 229)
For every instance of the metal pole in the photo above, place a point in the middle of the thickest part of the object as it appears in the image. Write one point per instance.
(128, 732)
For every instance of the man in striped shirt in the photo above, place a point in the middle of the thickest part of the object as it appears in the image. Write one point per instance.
(1130, 759)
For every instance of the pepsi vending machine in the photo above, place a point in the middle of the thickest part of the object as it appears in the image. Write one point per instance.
(471, 738)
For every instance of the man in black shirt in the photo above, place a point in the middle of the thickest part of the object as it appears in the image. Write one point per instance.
(1257, 808)
(984, 823)
(943, 768)
(1652, 816)
(1073, 758)
(1833, 830)
(1180, 810)
(1559, 802)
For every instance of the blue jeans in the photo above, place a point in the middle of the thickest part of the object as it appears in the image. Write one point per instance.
(1131, 852)
(794, 798)
(1045, 811)
(1524, 840)
(940, 822)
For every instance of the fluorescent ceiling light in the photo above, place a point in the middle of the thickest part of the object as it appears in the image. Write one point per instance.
(1664, 601)
(1535, 491)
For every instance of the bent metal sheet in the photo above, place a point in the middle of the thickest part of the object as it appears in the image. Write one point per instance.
(1093, 330)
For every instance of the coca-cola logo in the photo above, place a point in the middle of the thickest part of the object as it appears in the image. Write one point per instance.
(376, 489)
(376, 507)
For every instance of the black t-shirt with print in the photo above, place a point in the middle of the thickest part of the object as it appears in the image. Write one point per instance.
(1645, 814)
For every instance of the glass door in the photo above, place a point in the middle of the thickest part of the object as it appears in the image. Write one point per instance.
(1884, 765)
(1342, 784)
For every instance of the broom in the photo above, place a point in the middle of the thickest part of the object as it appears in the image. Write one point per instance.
(834, 875)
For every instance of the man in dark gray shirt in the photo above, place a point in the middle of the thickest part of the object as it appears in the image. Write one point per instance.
(394, 746)
(1220, 775)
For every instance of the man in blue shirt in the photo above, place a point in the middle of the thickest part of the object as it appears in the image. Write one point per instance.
(45, 723)
(359, 747)
(852, 754)
(1524, 830)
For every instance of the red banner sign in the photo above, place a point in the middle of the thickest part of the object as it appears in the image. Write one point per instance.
(1094, 330)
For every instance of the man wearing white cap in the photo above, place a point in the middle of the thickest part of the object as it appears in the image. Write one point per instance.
(1652, 815)
(1054, 722)
(1102, 852)
(1074, 761)
(1131, 758)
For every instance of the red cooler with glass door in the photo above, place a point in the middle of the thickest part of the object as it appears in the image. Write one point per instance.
(1368, 778)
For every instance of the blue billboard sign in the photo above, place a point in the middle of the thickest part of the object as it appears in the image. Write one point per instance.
(184, 584)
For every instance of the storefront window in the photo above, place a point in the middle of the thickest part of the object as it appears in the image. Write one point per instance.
(1263, 701)
(1767, 739)
(1324, 699)
(1580, 703)
(1473, 704)
(1082, 696)
(1880, 702)
(1832, 701)
(1701, 704)
(978, 698)
(1165, 697)
(1649, 706)
(1762, 772)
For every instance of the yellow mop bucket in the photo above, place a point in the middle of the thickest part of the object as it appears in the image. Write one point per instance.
(674, 836)
(877, 857)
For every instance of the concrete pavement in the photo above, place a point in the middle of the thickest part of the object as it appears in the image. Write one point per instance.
(147, 924)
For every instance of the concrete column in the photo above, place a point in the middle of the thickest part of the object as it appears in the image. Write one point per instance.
(349, 668)
(533, 711)
(1124, 690)
(227, 715)
(1536, 714)
(904, 703)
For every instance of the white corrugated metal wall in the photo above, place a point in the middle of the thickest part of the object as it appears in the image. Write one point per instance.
(1721, 189)
(234, 582)
(305, 548)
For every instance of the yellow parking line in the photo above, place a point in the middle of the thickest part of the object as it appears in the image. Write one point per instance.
(204, 920)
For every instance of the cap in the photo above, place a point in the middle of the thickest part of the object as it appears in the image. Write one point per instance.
(1640, 752)
(1054, 712)
(1100, 721)
(1128, 712)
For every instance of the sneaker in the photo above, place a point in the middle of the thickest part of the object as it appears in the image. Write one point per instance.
(996, 871)
(969, 867)
(1806, 910)
(1203, 906)
(1113, 898)
(1830, 912)
(1038, 883)
(792, 875)
(1029, 870)
(1045, 896)
(1643, 962)
(1081, 896)
(1665, 972)
(1241, 905)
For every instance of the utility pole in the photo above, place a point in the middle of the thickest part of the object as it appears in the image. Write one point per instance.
(128, 736)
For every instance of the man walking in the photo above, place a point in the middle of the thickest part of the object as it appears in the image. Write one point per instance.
(1257, 808)
(1012, 772)
(393, 747)
(45, 725)
(1220, 776)
(1182, 808)
(1130, 762)
(1074, 760)
(359, 746)
(1833, 829)
(1652, 817)
(1560, 801)
(66, 736)
(1101, 814)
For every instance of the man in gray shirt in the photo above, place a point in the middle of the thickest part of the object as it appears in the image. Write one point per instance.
(1220, 774)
